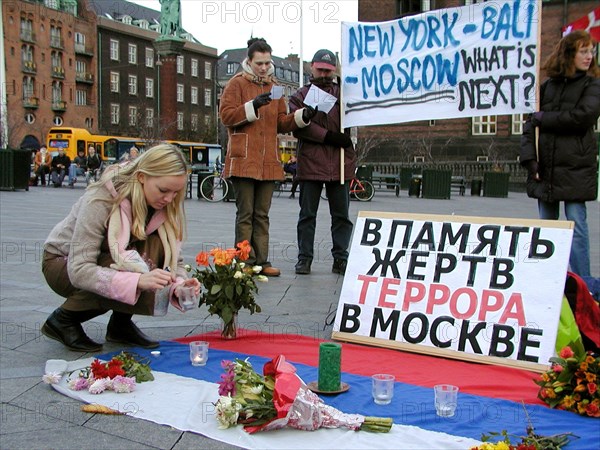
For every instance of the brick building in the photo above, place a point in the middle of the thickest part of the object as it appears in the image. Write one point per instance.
(92, 64)
(469, 139)
(48, 69)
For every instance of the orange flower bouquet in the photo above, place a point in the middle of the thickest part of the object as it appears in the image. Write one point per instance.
(572, 383)
(229, 284)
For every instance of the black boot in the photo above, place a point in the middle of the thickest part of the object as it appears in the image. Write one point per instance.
(121, 329)
(65, 327)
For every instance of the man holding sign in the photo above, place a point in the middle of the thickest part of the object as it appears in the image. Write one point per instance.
(319, 147)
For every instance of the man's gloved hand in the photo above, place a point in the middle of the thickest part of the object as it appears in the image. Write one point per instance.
(338, 139)
(308, 113)
(532, 169)
(536, 118)
(261, 100)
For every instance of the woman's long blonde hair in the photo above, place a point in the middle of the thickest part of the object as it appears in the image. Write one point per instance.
(159, 161)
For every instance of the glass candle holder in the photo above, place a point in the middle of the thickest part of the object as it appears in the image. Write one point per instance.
(198, 353)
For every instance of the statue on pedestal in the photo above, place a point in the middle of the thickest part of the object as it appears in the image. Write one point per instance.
(170, 18)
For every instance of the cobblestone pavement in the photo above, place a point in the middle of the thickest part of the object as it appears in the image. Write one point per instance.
(34, 416)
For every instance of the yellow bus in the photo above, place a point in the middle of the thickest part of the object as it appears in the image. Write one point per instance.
(112, 148)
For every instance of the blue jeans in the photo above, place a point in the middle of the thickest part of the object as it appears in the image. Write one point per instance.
(580, 248)
(338, 196)
(253, 202)
(74, 171)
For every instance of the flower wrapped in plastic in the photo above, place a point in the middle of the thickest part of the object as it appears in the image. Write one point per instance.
(280, 399)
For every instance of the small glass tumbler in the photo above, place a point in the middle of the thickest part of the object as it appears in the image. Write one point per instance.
(198, 353)
(383, 388)
(187, 298)
(446, 399)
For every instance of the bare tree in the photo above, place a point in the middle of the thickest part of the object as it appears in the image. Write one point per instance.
(364, 143)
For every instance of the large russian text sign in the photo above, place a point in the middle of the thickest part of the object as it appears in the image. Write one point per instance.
(458, 62)
(483, 289)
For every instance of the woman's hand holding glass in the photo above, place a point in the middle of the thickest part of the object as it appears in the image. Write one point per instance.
(155, 279)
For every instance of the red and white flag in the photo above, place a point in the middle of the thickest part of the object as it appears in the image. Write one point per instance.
(589, 23)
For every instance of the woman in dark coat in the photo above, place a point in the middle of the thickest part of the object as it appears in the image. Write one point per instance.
(564, 167)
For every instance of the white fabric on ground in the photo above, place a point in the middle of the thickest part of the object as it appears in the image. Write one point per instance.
(187, 405)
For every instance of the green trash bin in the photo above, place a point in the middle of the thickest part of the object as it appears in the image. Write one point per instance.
(406, 174)
(201, 176)
(15, 169)
(364, 172)
(476, 187)
(495, 184)
(436, 183)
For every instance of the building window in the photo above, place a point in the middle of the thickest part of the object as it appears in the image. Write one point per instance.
(194, 67)
(30, 118)
(56, 92)
(404, 7)
(132, 58)
(194, 122)
(180, 93)
(180, 121)
(27, 30)
(208, 97)
(115, 112)
(149, 117)
(150, 87)
(484, 125)
(27, 55)
(28, 90)
(114, 82)
(207, 70)
(179, 64)
(80, 68)
(114, 50)
(126, 20)
(132, 84)
(194, 95)
(55, 37)
(207, 120)
(80, 97)
(517, 123)
(149, 57)
(230, 68)
(133, 116)
(58, 121)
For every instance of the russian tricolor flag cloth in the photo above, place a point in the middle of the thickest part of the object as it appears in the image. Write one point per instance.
(491, 398)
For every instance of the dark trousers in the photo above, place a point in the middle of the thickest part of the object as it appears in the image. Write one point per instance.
(54, 268)
(41, 173)
(338, 196)
(253, 202)
(58, 175)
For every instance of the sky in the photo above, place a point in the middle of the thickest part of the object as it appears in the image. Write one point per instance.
(227, 24)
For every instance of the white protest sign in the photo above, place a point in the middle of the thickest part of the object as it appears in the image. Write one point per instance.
(482, 289)
(457, 62)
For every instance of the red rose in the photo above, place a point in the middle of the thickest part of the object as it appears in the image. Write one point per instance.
(592, 410)
(566, 353)
(592, 388)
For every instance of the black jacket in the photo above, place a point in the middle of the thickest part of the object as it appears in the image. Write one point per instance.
(568, 147)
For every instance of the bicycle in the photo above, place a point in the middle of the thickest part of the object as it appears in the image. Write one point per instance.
(362, 190)
(214, 188)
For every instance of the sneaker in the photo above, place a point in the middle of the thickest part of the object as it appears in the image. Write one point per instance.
(303, 267)
(339, 266)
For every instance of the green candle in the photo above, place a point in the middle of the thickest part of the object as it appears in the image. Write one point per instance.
(330, 361)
